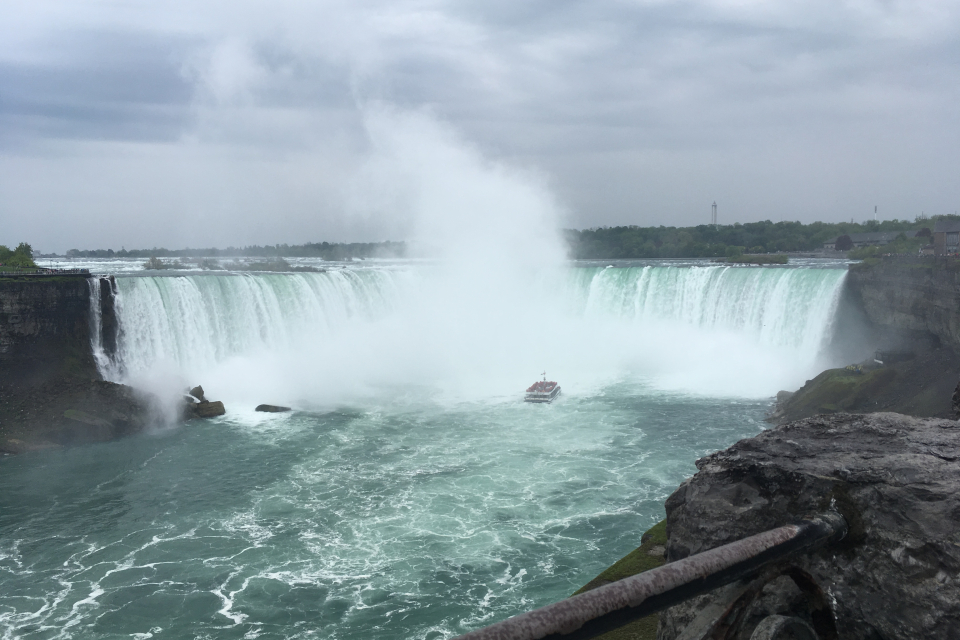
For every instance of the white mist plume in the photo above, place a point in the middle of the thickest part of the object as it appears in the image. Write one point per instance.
(491, 308)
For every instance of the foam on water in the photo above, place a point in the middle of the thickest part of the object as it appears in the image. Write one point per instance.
(411, 496)
(399, 520)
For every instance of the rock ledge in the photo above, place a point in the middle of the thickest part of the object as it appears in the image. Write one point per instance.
(897, 481)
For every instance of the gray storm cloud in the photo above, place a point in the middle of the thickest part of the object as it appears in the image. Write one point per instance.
(216, 123)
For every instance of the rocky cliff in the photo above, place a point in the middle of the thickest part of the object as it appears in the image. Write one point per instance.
(51, 393)
(45, 329)
(896, 480)
(916, 298)
(910, 305)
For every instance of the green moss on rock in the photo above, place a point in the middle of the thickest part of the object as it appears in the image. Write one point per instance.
(649, 555)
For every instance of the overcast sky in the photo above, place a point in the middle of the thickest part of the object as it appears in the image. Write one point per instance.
(215, 122)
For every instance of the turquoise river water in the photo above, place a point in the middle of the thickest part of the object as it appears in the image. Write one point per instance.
(411, 493)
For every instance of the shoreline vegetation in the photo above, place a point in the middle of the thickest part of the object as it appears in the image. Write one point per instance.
(209, 264)
(336, 251)
(19, 258)
(750, 239)
(749, 243)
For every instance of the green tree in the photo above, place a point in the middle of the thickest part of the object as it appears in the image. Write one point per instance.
(19, 258)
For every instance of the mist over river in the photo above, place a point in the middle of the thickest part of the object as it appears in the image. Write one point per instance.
(411, 493)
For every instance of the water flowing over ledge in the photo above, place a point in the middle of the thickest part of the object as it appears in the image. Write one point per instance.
(199, 321)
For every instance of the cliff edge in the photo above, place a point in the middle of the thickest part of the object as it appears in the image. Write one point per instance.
(51, 392)
(911, 308)
(916, 298)
(896, 480)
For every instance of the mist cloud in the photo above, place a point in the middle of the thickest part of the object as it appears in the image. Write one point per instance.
(215, 123)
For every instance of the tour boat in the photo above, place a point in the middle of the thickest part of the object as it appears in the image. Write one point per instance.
(542, 391)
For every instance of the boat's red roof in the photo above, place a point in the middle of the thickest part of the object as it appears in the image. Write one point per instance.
(542, 386)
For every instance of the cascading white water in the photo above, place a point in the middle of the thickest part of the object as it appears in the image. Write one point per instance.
(783, 307)
(346, 329)
(195, 321)
(104, 364)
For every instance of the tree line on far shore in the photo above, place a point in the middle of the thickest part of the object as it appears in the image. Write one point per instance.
(707, 241)
(323, 250)
(626, 242)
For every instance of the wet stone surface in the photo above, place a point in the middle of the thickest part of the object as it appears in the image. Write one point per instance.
(895, 478)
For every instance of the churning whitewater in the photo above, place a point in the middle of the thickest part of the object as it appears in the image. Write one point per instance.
(412, 493)
(195, 323)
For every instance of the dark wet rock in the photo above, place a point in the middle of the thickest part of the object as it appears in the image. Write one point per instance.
(921, 386)
(69, 411)
(896, 479)
(205, 409)
(44, 331)
(271, 408)
(955, 401)
(197, 392)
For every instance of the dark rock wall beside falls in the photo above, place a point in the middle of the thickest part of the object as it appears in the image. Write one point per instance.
(897, 481)
(911, 297)
(51, 393)
(44, 330)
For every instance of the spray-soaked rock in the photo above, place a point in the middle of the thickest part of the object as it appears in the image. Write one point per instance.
(68, 411)
(205, 409)
(896, 479)
(272, 408)
(197, 392)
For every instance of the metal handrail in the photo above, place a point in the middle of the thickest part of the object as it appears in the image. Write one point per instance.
(613, 605)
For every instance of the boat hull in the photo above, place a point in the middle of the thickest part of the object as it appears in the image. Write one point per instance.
(542, 397)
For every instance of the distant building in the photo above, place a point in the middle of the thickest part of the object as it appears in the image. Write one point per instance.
(946, 237)
(873, 238)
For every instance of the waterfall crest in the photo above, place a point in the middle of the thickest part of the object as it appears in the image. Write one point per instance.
(787, 307)
(197, 320)
(707, 329)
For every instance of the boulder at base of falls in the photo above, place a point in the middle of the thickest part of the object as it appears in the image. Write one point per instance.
(205, 409)
(271, 408)
(896, 480)
(197, 392)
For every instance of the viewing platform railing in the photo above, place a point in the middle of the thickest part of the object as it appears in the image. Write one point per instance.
(751, 562)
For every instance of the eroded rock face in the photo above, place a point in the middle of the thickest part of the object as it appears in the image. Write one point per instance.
(919, 296)
(897, 481)
(68, 411)
(44, 330)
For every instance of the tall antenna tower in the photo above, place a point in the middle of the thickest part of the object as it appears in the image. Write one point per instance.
(713, 215)
(874, 213)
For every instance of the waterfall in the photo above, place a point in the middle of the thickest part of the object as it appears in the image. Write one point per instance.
(104, 364)
(198, 320)
(784, 307)
(706, 329)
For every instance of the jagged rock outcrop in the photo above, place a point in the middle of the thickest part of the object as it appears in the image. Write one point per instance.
(197, 405)
(921, 386)
(895, 478)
